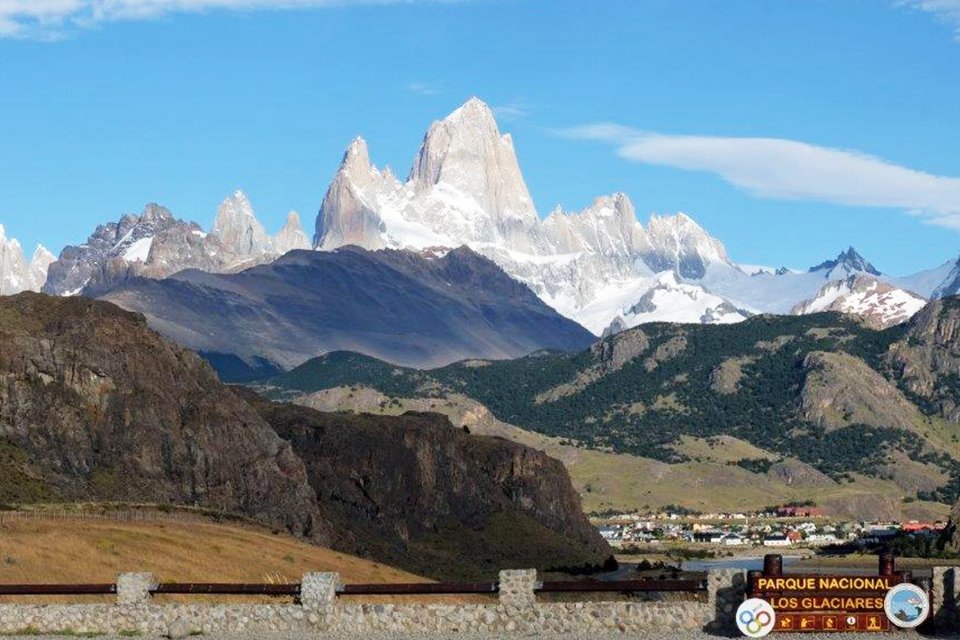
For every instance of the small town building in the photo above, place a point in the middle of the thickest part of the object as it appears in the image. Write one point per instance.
(732, 540)
(776, 540)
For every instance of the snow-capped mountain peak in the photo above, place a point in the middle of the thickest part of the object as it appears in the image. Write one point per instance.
(667, 299)
(878, 303)
(466, 188)
(680, 244)
(464, 156)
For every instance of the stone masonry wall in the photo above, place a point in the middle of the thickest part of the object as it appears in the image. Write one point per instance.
(516, 611)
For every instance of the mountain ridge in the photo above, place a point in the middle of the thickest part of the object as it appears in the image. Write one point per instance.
(821, 389)
(465, 187)
(417, 309)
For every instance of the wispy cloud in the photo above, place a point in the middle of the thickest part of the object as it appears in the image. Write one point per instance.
(425, 88)
(511, 111)
(788, 169)
(946, 10)
(51, 19)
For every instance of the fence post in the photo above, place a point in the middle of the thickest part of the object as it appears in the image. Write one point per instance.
(134, 588)
(726, 589)
(518, 588)
(944, 605)
(318, 591)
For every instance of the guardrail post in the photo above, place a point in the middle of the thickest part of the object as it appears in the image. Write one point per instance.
(318, 591)
(945, 600)
(518, 588)
(134, 588)
(726, 589)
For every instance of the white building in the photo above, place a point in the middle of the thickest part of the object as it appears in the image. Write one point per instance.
(731, 540)
(776, 540)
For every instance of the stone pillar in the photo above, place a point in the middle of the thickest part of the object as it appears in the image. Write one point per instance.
(517, 588)
(726, 589)
(318, 591)
(134, 588)
(945, 600)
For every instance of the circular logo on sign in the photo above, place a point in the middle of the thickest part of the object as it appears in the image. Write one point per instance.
(755, 618)
(907, 605)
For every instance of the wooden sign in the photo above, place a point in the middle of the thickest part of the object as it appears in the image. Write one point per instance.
(824, 603)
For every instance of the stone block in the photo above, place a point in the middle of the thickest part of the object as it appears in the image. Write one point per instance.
(518, 588)
(134, 588)
(318, 591)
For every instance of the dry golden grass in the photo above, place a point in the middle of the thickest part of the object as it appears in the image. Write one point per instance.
(90, 551)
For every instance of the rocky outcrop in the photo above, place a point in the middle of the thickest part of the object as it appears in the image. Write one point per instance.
(726, 377)
(841, 390)
(609, 355)
(95, 406)
(400, 306)
(415, 492)
(927, 359)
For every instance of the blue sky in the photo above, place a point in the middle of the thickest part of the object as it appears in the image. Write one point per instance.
(765, 121)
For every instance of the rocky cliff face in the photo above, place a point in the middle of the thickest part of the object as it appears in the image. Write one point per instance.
(416, 492)
(841, 390)
(96, 406)
(927, 359)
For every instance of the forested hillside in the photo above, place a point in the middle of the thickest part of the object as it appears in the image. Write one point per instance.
(822, 389)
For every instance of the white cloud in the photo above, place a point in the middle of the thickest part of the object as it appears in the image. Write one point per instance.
(946, 10)
(47, 19)
(425, 88)
(791, 170)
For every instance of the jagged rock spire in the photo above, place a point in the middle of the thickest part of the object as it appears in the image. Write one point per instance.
(237, 227)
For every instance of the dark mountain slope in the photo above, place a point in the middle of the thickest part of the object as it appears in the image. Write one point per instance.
(415, 492)
(96, 406)
(396, 305)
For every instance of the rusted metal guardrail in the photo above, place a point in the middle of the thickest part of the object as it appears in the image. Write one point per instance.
(293, 589)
